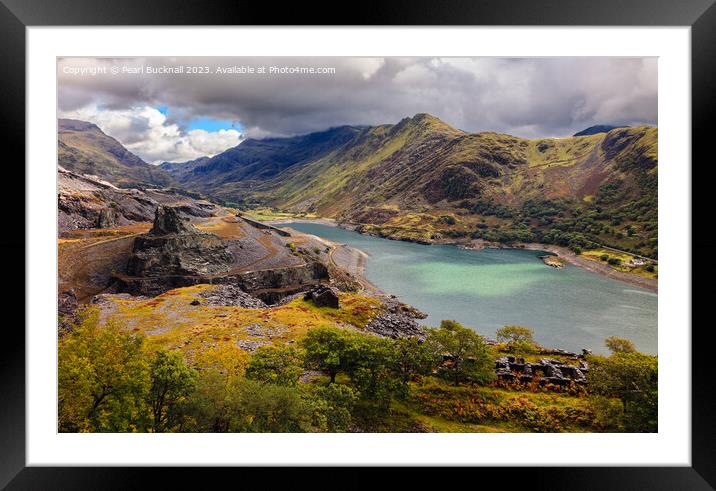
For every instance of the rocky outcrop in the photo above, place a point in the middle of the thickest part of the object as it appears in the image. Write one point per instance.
(553, 261)
(392, 325)
(174, 247)
(175, 254)
(270, 286)
(107, 218)
(305, 275)
(67, 302)
(323, 296)
(547, 371)
(86, 202)
(398, 320)
(66, 310)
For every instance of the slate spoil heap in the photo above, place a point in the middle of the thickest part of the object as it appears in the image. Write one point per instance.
(174, 247)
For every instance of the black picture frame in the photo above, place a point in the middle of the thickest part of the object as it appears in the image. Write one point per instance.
(16, 15)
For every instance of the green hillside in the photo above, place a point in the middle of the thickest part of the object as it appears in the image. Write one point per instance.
(83, 148)
(424, 180)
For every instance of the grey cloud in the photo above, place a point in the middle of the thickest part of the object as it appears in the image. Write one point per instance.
(532, 97)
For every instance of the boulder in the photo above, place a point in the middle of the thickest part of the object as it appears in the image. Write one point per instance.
(323, 296)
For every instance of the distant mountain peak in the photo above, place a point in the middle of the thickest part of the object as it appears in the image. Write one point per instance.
(427, 122)
(75, 125)
(598, 128)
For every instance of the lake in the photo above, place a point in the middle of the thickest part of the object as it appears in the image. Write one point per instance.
(567, 308)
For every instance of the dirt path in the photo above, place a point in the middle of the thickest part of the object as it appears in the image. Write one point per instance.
(271, 252)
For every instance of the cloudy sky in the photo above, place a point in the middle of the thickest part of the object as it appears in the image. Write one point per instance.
(167, 115)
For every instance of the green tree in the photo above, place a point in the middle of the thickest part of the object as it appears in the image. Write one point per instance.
(172, 385)
(519, 339)
(412, 358)
(331, 406)
(619, 345)
(631, 377)
(211, 404)
(468, 358)
(371, 371)
(222, 368)
(281, 365)
(103, 377)
(328, 349)
(260, 407)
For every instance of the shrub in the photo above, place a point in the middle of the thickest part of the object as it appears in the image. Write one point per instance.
(468, 358)
(510, 334)
(447, 219)
(619, 345)
(519, 339)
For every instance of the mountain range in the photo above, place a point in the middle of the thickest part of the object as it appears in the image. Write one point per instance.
(421, 179)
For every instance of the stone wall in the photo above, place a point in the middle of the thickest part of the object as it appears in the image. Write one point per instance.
(548, 370)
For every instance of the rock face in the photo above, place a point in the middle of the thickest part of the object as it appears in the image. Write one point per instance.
(174, 247)
(107, 218)
(323, 296)
(294, 276)
(86, 202)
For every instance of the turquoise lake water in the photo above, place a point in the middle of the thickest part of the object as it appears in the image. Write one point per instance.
(567, 308)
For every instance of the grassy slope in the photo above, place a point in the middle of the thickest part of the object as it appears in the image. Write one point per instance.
(171, 321)
(85, 149)
(400, 180)
(205, 334)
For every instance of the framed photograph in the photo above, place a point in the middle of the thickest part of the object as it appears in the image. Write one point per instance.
(438, 236)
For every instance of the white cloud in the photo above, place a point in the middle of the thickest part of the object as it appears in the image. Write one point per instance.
(529, 97)
(146, 132)
(368, 67)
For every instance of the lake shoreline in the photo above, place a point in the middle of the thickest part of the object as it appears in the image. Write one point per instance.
(562, 252)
